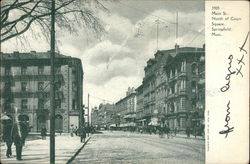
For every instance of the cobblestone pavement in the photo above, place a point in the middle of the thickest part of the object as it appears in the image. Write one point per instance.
(126, 147)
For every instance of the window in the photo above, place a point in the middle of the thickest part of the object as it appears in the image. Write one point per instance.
(40, 70)
(40, 103)
(7, 85)
(193, 85)
(24, 103)
(73, 104)
(194, 69)
(74, 87)
(40, 86)
(193, 103)
(7, 70)
(23, 70)
(57, 69)
(23, 86)
(57, 104)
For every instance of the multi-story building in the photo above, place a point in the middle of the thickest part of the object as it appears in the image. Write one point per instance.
(173, 89)
(148, 84)
(126, 109)
(94, 117)
(139, 106)
(182, 71)
(25, 89)
(104, 118)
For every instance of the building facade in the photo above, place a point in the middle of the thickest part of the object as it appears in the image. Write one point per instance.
(182, 71)
(103, 117)
(25, 89)
(126, 109)
(139, 106)
(172, 92)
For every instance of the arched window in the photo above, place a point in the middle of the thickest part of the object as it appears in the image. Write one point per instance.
(194, 69)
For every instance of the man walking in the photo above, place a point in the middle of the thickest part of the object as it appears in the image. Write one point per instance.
(7, 127)
(18, 136)
(43, 133)
(82, 133)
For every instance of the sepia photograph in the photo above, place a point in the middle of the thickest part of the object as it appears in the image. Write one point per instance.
(102, 81)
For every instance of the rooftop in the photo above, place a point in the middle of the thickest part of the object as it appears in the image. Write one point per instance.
(30, 55)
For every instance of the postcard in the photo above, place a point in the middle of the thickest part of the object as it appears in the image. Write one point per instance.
(124, 81)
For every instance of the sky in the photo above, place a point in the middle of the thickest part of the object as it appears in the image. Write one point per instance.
(116, 60)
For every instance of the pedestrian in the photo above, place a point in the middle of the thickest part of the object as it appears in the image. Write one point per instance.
(188, 132)
(195, 131)
(43, 133)
(72, 130)
(75, 130)
(82, 134)
(25, 130)
(167, 131)
(18, 137)
(175, 131)
(7, 128)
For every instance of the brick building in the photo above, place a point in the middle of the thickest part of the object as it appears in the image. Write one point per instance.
(182, 71)
(94, 117)
(172, 92)
(103, 116)
(25, 89)
(126, 109)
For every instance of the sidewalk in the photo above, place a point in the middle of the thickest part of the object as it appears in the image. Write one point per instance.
(38, 151)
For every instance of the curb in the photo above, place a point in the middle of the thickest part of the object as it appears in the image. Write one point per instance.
(77, 152)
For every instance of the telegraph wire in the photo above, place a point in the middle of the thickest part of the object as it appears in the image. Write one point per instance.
(101, 99)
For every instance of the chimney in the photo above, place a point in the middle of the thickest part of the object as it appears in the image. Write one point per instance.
(204, 46)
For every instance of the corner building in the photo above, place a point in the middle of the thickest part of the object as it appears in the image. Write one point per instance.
(173, 89)
(184, 94)
(25, 89)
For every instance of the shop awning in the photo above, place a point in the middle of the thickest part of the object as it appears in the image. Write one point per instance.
(154, 122)
(128, 124)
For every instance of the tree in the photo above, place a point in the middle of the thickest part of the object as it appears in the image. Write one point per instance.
(19, 16)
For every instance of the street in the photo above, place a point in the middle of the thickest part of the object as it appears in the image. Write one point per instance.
(127, 147)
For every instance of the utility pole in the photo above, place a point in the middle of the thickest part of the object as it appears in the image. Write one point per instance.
(176, 28)
(88, 115)
(157, 34)
(52, 84)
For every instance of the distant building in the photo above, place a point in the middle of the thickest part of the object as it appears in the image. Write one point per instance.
(25, 89)
(94, 117)
(126, 109)
(139, 106)
(103, 117)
